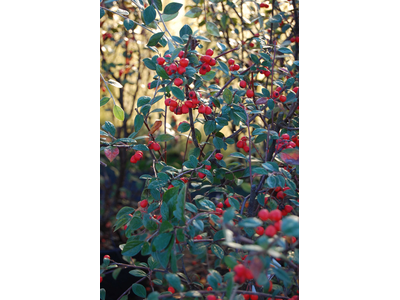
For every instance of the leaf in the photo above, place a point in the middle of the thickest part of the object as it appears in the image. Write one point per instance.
(168, 18)
(102, 12)
(250, 222)
(227, 95)
(161, 72)
(157, 124)
(209, 127)
(132, 247)
(219, 143)
(290, 156)
(183, 127)
(172, 8)
(139, 290)
(118, 112)
(285, 50)
(271, 166)
(149, 15)
(162, 241)
(104, 101)
(217, 250)
(138, 273)
(180, 204)
(209, 76)
(224, 67)
(194, 12)
(185, 30)
(102, 294)
(153, 41)
(238, 155)
(153, 296)
(149, 64)
(165, 137)
(174, 281)
(290, 226)
(111, 153)
(282, 275)
(114, 83)
(212, 29)
(122, 12)
(178, 93)
(138, 123)
(128, 24)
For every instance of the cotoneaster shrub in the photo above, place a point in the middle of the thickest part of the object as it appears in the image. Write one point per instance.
(232, 82)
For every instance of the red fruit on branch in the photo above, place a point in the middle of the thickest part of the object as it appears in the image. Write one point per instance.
(171, 290)
(260, 230)
(275, 94)
(227, 202)
(208, 110)
(231, 61)
(178, 81)
(288, 208)
(275, 215)
(243, 84)
(270, 231)
(209, 52)
(184, 62)
(202, 175)
(219, 156)
(282, 98)
(211, 297)
(249, 93)
(246, 149)
(144, 203)
(181, 54)
(263, 214)
(181, 70)
(160, 60)
(240, 144)
(156, 147)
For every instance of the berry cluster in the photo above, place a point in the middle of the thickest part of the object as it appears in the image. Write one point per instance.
(207, 62)
(232, 65)
(242, 144)
(275, 216)
(284, 142)
(242, 274)
(136, 157)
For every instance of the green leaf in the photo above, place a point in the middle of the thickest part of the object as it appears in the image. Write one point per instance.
(138, 273)
(143, 101)
(161, 72)
(209, 127)
(149, 64)
(149, 15)
(183, 127)
(217, 250)
(212, 29)
(153, 41)
(138, 123)
(165, 225)
(153, 296)
(132, 247)
(172, 8)
(282, 275)
(194, 12)
(108, 126)
(164, 137)
(168, 18)
(219, 143)
(174, 281)
(285, 50)
(185, 30)
(102, 294)
(230, 261)
(162, 241)
(227, 95)
(290, 226)
(178, 93)
(271, 166)
(250, 222)
(104, 101)
(118, 112)
(238, 155)
(209, 76)
(139, 290)
(224, 68)
(180, 204)
(128, 24)
(102, 12)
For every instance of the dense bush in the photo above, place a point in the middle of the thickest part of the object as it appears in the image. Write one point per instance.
(227, 92)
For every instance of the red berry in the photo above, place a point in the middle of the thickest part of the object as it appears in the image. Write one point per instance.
(246, 296)
(138, 155)
(292, 40)
(267, 73)
(211, 297)
(144, 203)
(285, 136)
(106, 257)
(282, 98)
(198, 237)
(208, 110)
(149, 85)
(246, 148)
(209, 52)
(156, 147)
(297, 39)
(219, 156)
(296, 89)
(263, 214)
(213, 62)
(240, 270)
(220, 205)
(133, 159)
(293, 240)
(288, 208)
(185, 109)
(280, 195)
(184, 62)
(240, 144)
(253, 297)
(173, 103)
(181, 70)
(270, 231)
(202, 109)
(236, 67)
(178, 81)
(260, 230)
(181, 54)
(231, 61)
(278, 225)
(243, 84)
(251, 45)
(227, 202)
(101, 279)
(209, 288)
(250, 93)
(171, 289)
(275, 94)
(173, 68)
(275, 215)
(161, 61)
(208, 168)
(202, 175)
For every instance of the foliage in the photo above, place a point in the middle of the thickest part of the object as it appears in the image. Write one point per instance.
(240, 101)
